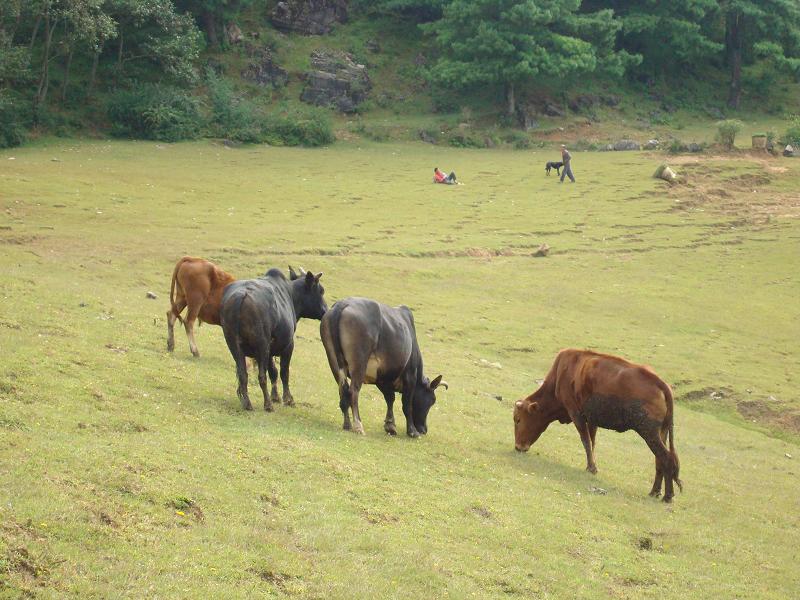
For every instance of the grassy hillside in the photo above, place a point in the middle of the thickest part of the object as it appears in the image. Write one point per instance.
(129, 472)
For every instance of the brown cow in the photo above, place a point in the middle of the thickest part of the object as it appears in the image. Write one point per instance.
(595, 390)
(199, 285)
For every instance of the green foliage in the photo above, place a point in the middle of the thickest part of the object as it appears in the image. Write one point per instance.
(12, 119)
(420, 11)
(509, 42)
(309, 127)
(231, 117)
(792, 135)
(726, 132)
(155, 112)
(518, 139)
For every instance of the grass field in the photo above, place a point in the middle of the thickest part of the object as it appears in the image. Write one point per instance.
(129, 472)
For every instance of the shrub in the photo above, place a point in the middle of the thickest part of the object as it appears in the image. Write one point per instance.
(308, 128)
(12, 121)
(519, 140)
(155, 112)
(792, 135)
(463, 140)
(231, 117)
(726, 132)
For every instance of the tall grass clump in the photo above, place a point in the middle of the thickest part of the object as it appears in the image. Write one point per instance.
(310, 127)
(155, 112)
(726, 132)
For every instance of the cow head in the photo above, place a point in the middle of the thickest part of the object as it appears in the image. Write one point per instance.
(424, 398)
(529, 423)
(308, 294)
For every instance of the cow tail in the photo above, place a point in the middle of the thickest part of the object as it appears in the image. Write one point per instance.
(172, 289)
(671, 437)
(336, 315)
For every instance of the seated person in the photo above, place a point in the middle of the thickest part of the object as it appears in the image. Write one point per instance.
(439, 177)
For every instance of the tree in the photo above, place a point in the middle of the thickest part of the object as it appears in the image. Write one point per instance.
(768, 30)
(512, 42)
(420, 11)
(667, 35)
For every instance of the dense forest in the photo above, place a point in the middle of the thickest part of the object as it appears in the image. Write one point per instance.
(143, 64)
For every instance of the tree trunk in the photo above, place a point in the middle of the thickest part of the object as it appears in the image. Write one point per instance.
(35, 31)
(733, 42)
(67, 67)
(119, 51)
(210, 26)
(512, 101)
(44, 80)
(93, 75)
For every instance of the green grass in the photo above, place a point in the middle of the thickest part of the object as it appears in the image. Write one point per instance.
(129, 472)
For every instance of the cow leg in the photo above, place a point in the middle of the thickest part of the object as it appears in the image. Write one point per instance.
(344, 404)
(269, 361)
(241, 368)
(286, 359)
(655, 492)
(355, 388)
(408, 387)
(188, 323)
(172, 316)
(657, 447)
(586, 437)
(388, 423)
(263, 362)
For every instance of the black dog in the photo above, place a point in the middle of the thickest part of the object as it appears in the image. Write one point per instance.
(553, 165)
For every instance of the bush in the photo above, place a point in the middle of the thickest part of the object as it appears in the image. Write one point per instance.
(792, 135)
(307, 128)
(12, 121)
(231, 117)
(726, 132)
(154, 112)
(519, 139)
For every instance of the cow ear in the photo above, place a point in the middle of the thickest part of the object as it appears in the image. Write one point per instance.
(317, 276)
(532, 407)
(435, 383)
(292, 274)
(309, 279)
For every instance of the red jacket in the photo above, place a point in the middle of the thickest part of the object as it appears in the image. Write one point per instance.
(439, 176)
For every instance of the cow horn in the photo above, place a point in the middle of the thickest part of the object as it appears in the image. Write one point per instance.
(302, 271)
(444, 385)
(292, 274)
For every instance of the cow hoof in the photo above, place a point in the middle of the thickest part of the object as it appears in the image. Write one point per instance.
(288, 401)
(390, 428)
(668, 499)
(413, 433)
(347, 426)
(247, 406)
(655, 494)
(196, 354)
(269, 407)
(359, 430)
(592, 470)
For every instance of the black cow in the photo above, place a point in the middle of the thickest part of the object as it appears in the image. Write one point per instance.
(259, 317)
(373, 343)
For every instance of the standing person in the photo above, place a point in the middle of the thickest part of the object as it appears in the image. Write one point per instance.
(566, 158)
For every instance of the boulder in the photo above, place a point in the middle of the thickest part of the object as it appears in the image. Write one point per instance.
(652, 145)
(542, 251)
(789, 150)
(623, 145)
(665, 173)
(310, 17)
(426, 136)
(583, 103)
(694, 147)
(336, 81)
(551, 110)
(263, 70)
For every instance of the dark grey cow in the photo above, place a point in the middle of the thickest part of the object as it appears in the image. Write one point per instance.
(259, 317)
(373, 343)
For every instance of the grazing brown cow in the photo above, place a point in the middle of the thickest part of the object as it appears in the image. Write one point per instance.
(595, 390)
(198, 284)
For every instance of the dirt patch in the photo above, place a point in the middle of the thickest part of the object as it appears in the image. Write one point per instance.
(760, 411)
(378, 518)
(18, 240)
(481, 511)
(278, 579)
(707, 393)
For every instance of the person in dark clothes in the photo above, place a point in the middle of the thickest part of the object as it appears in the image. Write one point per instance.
(566, 158)
(439, 177)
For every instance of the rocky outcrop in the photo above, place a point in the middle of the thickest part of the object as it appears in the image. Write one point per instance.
(233, 34)
(623, 145)
(311, 17)
(263, 70)
(336, 81)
